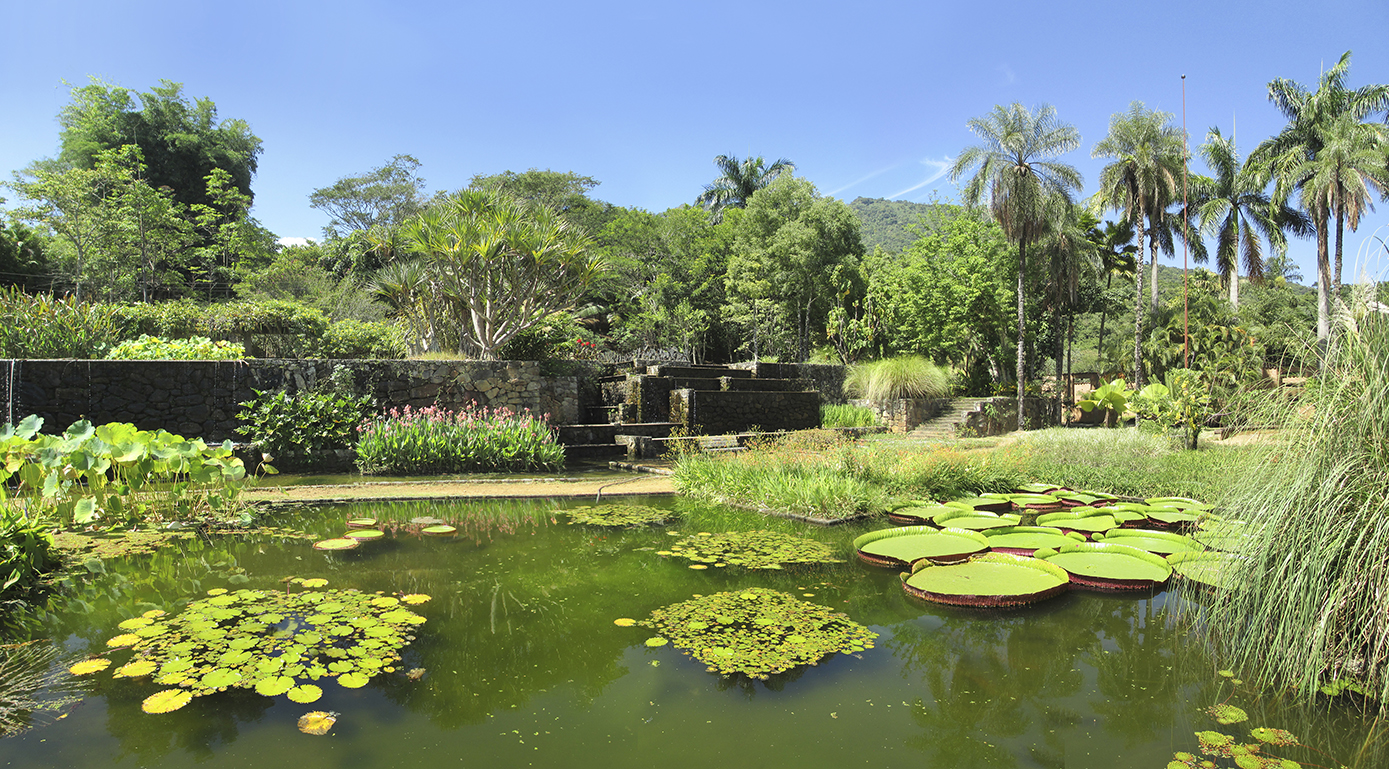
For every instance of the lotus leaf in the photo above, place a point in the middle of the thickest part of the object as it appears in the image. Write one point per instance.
(274, 686)
(753, 549)
(175, 666)
(166, 701)
(126, 639)
(153, 613)
(317, 722)
(721, 630)
(976, 520)
(415, 599)
(620, 515)
(216, 591)
(1158, 542)
(304, 694)
(901, 546)
(135, 669)
(220, 678)
(315, 582)
(341, 543)
(987, 580)
(134, 622)
(340, 666)
(1106, 566)
(87, 667)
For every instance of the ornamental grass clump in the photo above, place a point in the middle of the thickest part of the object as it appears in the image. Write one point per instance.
(438, 440)
(1310, 609)
(906, 376)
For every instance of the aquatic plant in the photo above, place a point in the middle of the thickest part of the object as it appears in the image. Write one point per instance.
(752, 550)
(1103, 566)
(271, 642)
(757, 632)
(988, 580)
(902, 546)
(619, 515)
(438, 440)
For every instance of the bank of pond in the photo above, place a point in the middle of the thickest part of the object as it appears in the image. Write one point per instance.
(1047, 627)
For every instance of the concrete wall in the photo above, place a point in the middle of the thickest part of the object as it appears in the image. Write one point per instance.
(718, 412)
(201, 398)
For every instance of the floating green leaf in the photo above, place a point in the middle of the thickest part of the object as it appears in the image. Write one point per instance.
(619, 515)
(1279, 737)
(353, 680)
(274, 686)
(305, 694)
(753, 550)
(1226, 714)
(166, 701)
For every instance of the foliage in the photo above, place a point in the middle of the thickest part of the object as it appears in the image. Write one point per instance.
(304, 426)
(1317, 549)
(193, 348)
(384, 197)
(1184, 403)
(905, 376)
(566, 193)
(362, 339)
(437, 440)
(894, 225)
(43, 326)
(307, 275)
(276, 328)
(739, 180)
(487, 268)
(757, 632)
(623, 515)
(844, 415)
(1112, 398)
(26, 545)
(116, 472)
(752, 550)
(234, 640)
(23, 256)
(557, 337)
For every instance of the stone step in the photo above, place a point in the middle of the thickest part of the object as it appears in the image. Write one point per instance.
(573, 435)
(594, 450)
(697, 372)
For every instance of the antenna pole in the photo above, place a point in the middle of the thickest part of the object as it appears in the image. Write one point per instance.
(1186, 236)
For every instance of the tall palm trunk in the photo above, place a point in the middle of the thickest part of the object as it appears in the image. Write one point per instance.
(1022, 332)
(1340, 233)
(1138, 309)
(1234, 269)
(1323, 279)
(1153, 261)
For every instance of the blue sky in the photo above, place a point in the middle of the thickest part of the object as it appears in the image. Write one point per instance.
(868, 98)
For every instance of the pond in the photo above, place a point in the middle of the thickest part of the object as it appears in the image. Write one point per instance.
(523, 665)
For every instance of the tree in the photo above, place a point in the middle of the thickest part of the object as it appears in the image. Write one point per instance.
(1118, 256)
(488, 267)
(565, 193)
(1027, 191)
(787, 245)
(738, 180)
(71, 203)
(181, 143)
(23, 257)
(1141, 183)
(1291, 156)
(1234, 208)
(383, 197)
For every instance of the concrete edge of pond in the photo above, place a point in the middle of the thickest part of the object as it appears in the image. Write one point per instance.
(446, 490)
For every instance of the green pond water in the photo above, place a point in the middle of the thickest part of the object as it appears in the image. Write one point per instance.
(524, 666)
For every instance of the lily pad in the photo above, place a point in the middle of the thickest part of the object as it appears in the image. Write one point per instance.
(975, 520)
(1180, 503)
(317, 722)
(125, 639)
(1209, 569)
(87, 667)
(1173, 517)
(988, 504)
(1026, 540)
(361, 523)
(657, 641)
(895, 548)
(364, 535)
(1222, 534)
(341, 543)
(1085, 520)
(916, 514)
(991, 580)
(314, 582)
(1225, 714)
(1035, 503)
(1040, 488)
(353, 680)
(1162, 543)
(439, 530)
(620, 516)
(305, 693)
(624, 622)
(415, 599)
(135, 669)
(166, 701)
(1278, 737)
(1104, 566)
(753, 550)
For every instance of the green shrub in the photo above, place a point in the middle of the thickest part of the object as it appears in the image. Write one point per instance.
(906, 376)
(170, 320)
(299, 428)
(42, 326)
(273, 329)
(437, 440)
(362, 339)
(25, 550)
(193, 348)
(115, 473)
(844, 415)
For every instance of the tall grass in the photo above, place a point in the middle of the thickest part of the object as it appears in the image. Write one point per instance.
(1314, 606)
(845, 415)
(906, 376)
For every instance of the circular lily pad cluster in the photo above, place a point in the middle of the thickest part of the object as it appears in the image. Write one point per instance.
(757, 632)
(272, 642)
(751, 550)
(619, 515)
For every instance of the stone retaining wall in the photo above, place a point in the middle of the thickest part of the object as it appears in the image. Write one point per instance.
(1003, 416)
(826, 378)
(905, 414)
(201, 398)
(715, 412)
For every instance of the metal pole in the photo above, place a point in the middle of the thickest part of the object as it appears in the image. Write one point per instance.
(1186, 236)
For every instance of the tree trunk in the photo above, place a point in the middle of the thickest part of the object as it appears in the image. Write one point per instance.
(1022, 332)
(1234, 269)
(1340, 233)
(1323, 280)
(1153, 249)
(1138, 311)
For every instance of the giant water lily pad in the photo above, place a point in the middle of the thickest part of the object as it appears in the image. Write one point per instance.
(993, 580)
(975, 520)
(1210, 569)
(1025, 540)
(757, 632)
(621, 516)
(899, 547)
(1173, 517)
(272, 642)
(1129, 513)
(364, 535)
(1222, 534)
(1181, 503)
(989, 504)
(1103, 566)
(1162, 543)
(1035, 503)
(753, 550)
(1086, 520)
(918, 513)
(340, 543)
(1040, 488)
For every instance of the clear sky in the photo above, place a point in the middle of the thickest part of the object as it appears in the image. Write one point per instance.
(869, 98)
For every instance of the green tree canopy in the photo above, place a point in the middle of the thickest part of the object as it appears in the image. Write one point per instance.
(383, 197)
(565, 193)
(738, 180)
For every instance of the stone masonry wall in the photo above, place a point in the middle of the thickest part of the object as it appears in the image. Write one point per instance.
(826, 378)
(715, 412)
(201, 398)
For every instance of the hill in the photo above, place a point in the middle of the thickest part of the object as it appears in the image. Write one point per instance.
(885, 222)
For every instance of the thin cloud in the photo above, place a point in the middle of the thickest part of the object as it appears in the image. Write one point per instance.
(941, 167)
(859, 181)
(1007, 73)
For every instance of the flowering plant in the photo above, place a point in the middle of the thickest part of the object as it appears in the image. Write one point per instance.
(474, 439)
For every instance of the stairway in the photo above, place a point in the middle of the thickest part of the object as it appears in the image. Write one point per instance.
(947, 424)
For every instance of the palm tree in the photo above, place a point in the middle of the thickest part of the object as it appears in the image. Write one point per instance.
(1027, 190)
(739, 180)
(1118, 256)
(1291, 156)
(1233, 206)
(1141, 183)
(1351, 163)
